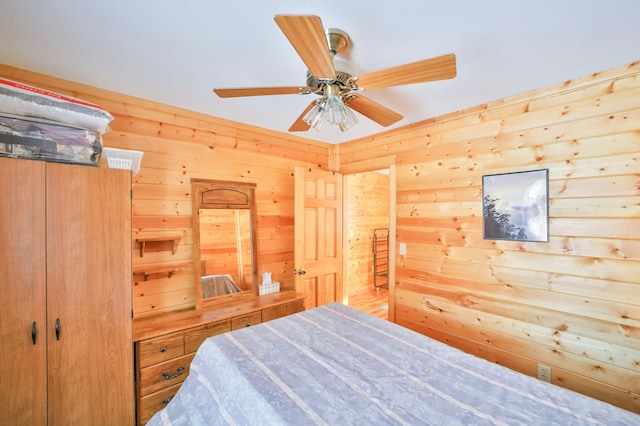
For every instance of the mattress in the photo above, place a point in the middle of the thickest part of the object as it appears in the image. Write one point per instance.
(338, 366)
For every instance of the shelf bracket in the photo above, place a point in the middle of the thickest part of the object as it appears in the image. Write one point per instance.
(145, 243)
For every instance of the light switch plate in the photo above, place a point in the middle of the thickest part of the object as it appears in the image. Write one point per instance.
(403, 249)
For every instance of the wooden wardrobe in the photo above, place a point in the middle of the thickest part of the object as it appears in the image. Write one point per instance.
(65, 294)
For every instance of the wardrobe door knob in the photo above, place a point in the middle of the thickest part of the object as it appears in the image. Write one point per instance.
(57, 328)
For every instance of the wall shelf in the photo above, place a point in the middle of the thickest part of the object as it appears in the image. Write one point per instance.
(155, 272)
(159, 243)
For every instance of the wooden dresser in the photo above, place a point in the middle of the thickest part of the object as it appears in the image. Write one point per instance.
(165, 344)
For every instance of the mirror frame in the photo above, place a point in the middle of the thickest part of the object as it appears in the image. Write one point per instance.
(230, 195)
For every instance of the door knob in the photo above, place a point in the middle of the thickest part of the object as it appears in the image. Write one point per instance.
(299, 272)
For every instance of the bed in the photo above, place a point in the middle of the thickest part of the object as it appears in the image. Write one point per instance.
(338, 366)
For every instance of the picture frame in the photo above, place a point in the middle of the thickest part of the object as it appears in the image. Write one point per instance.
(515, 206)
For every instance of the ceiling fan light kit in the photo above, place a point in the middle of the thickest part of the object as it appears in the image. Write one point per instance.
(330, 108)
(340, 91)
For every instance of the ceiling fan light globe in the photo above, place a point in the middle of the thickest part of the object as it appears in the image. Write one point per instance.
(335, 109)
(337, 112)
(315, 117)
(344, 126)
(349, 121)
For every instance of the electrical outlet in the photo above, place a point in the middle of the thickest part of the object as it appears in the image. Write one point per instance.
(544, 373)
(403, 249)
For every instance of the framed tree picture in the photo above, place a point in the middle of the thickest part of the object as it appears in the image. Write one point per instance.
(516, 206)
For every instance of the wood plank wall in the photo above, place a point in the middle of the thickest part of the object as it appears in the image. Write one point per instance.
(179, 145)
(366, 208)
(573, 303)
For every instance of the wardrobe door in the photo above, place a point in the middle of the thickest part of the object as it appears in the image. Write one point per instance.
(23, 379)
(90, 376)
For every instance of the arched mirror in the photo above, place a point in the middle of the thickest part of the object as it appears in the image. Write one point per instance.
(224, 233)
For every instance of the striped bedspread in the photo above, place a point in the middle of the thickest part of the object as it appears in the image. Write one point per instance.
(334, 365)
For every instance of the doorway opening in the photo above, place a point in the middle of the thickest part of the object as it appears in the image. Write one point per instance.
(366, 224)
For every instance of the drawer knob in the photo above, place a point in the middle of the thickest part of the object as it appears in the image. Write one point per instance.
(167, 375)
(163, 349)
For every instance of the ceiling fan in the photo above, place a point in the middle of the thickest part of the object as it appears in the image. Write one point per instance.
(338, 88)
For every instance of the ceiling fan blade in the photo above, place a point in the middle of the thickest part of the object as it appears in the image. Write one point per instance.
(373, 110)
(306, 34)
(261, 91)
(299, 125)
(440, 68)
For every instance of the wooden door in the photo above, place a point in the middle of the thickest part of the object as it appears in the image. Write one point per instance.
(318, 236)
(90, 376)
(23, 381)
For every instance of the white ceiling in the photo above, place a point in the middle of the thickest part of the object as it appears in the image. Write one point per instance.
(176, 52)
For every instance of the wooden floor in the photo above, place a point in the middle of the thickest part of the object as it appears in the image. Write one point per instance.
(374, 302)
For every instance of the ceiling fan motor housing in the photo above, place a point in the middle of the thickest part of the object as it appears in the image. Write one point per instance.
(342, 80)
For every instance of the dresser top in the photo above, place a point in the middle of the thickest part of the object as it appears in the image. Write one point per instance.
(157, 325)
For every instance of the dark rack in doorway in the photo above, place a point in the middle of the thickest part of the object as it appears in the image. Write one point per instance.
(380, 248)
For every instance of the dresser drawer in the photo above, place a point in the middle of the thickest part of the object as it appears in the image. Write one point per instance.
(151, 404)
(195, 336)
(161, 376)
(163, 348)
(282, 310)
(247, 320)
